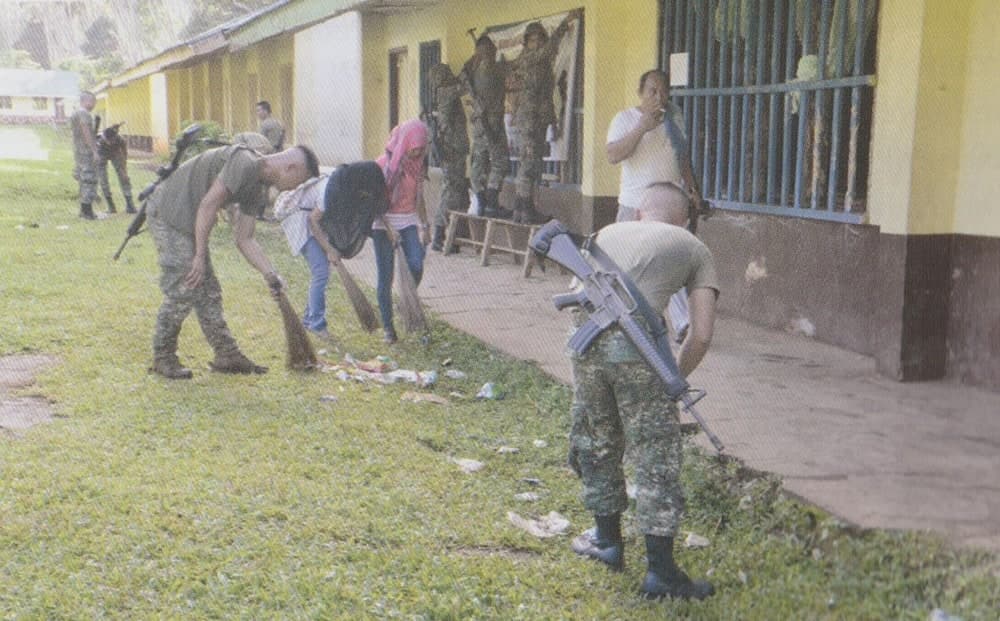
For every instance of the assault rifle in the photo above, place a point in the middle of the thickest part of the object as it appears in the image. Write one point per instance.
(610, 299)
(434, 144)
(187, 138)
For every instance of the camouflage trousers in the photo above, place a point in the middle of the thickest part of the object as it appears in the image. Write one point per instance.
(620, 407)
(490, 160)
(454, 188)
(85, 173)
(175, 251)
(531, 148)
(121, 171)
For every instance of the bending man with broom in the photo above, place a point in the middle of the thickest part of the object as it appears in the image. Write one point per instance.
(181, 214)
(404, 225)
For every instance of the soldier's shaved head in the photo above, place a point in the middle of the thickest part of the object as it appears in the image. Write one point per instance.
(664, 202)
(291, 167)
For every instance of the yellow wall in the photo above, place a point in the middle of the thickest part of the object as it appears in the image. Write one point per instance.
(935, 136)
(976, 211)
(374, 76)
(25, 106)
(129, 103)
(611, 70)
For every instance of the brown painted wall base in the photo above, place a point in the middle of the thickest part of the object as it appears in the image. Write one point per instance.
(925, 306)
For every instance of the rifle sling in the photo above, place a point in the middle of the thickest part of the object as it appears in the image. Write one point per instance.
(653, 319)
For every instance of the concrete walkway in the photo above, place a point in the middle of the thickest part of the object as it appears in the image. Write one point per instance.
(874, 452)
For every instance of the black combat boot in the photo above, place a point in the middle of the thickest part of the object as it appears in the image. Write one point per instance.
(664, 578)
(235, 362)
(111, 204)
(87, 212)
(486, 208)
(493, 200)
(437, 243)
(170, 367)
(129, 205)
(604, 542)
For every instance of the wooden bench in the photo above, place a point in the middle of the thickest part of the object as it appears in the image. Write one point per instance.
(483, 232)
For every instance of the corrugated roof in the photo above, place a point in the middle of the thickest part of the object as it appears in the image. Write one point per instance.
(39, 83)
(282, 17)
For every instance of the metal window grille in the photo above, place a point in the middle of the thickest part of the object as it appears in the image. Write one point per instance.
(777, 101)
(430, 55)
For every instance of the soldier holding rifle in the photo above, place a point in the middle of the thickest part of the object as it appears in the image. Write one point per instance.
(619, 401)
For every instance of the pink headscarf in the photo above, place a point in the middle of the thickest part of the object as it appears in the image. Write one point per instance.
(408, 135)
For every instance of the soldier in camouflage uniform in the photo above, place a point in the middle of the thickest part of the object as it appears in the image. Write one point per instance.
(535, 111)
(111, 147)
(485, 78)
(620, 405)
(452, 143)
(181, 214)
(85, 154)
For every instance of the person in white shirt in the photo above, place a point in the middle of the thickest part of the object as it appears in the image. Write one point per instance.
(649, 142)
(640, 139)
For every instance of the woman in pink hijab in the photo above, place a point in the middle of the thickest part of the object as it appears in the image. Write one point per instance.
(406, 221)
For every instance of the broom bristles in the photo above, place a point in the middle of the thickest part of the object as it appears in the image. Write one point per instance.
(409, 302)
(362, 307)
(301, 355)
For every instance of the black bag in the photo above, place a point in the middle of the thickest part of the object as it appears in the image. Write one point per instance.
(355, 197)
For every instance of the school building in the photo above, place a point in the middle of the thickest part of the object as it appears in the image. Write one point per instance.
(847, 146)
(37, 95)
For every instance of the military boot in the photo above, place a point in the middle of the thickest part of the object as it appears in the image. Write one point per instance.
(486, 208)
(129, 205)
(87, 212)
(664, 578)
(603, 542)
(236, 363)
(437, 244)
(170, 367)
(111, 204)
(493, 200)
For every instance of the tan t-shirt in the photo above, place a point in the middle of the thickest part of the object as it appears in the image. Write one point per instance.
(661, 258)
(176, 200)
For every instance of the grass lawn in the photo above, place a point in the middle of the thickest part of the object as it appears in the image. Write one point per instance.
(253, 497)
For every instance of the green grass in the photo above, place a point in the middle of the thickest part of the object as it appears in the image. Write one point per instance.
(248, 497)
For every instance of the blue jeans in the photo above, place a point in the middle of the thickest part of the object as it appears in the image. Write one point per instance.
(413, 250)
(314, 317)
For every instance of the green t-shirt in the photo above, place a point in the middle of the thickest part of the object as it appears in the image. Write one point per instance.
(82, 121)
(660, 258)
(272, 129)
(176, 200)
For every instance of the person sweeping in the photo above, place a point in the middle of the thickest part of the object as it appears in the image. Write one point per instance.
(405, 223)
(181, 214)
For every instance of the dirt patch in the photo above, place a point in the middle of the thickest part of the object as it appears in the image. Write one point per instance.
(18, 413)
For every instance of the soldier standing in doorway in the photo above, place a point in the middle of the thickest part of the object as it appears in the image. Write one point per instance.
(111, 147)
(485, 79)
(535, 110)
(452, 143)
(85, 154)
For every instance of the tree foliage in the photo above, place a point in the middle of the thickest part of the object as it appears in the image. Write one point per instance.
(17, 59)
(208, 14)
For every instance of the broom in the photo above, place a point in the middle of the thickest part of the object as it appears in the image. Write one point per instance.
(301, 355)
(409, 302)
(362, 307)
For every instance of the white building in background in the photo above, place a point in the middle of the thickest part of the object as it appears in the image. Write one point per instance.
(37, 95)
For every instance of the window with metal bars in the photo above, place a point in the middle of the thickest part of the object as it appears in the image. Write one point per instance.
(777, 98)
